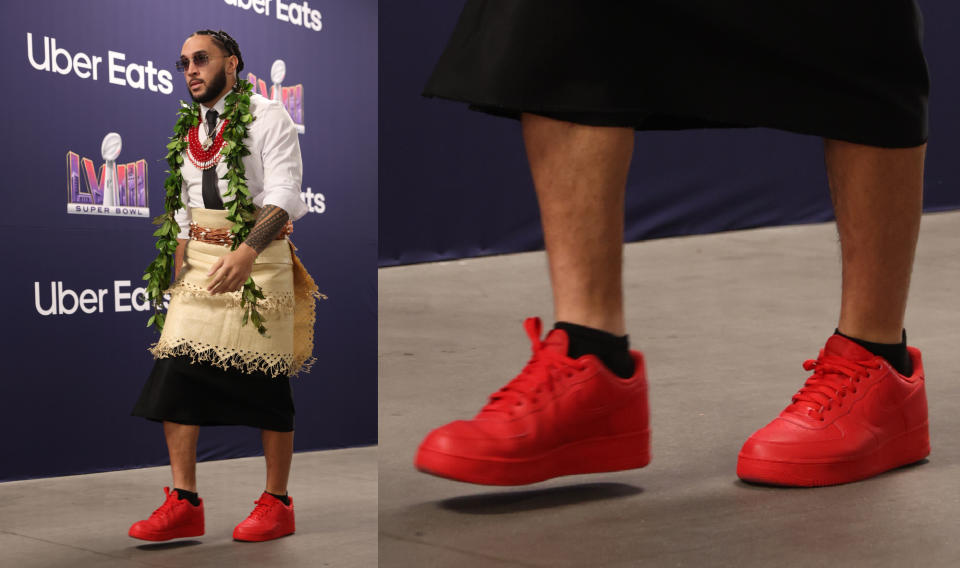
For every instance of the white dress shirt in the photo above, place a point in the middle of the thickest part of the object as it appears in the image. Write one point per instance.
(274, 168)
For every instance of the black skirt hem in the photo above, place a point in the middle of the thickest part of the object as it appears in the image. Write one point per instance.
(190, 422)
(645, 120)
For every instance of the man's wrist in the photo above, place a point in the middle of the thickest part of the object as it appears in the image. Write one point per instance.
(248, 251)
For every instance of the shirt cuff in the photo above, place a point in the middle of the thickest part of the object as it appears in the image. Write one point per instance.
(288, 201)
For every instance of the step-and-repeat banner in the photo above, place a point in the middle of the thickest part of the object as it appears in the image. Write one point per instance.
(455, 183)
(89, 101)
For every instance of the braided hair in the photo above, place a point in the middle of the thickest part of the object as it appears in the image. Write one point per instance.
(226, 43)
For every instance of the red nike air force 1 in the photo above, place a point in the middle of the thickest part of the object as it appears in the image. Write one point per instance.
(176, 518)
(559, 416)
(854, 418)
(270, 519)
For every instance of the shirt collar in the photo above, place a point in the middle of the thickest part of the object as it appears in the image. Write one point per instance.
(219, 107)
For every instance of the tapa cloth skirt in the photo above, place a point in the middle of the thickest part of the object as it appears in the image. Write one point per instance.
(212, 370)
(851, 70)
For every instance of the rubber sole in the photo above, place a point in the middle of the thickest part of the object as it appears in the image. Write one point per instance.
(163, 536)
(905, 449)
(596, 455)
(261, 538)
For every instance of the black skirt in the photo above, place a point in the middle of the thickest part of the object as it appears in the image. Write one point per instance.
(852, 69)
(202, 394)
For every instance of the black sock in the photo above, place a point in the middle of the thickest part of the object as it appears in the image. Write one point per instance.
(895, 353)
(612, 350)
(190, 496)
(284, 498)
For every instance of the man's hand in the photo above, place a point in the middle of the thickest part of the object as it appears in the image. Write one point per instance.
(232, 270)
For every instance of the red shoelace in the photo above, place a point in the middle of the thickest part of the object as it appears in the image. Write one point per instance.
(545, 367)
(263, 507)
(833, 377)
(165, 510)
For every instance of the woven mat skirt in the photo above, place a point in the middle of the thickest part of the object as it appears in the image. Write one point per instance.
(851, 70)
(210, 369)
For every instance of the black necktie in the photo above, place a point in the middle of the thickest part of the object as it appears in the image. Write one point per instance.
(211, 193)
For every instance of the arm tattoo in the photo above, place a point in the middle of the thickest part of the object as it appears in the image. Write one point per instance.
(270, 221)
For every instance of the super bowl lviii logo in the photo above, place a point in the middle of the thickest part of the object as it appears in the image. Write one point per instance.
(291, 97)
(118, 190)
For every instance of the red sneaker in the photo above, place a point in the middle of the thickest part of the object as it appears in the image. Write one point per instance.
(854, 418)
(176, 518)
(270, 519)
(559, 416)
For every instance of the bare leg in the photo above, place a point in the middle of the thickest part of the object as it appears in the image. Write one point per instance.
(182, 446)
(877, 198)
(580, 174)
(278, 451)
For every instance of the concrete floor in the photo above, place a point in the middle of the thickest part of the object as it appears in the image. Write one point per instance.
(726, 322)
(82, 521)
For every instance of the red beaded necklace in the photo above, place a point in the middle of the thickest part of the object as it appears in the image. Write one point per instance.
(205, 157)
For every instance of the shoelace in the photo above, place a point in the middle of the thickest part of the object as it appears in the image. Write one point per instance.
(544, 369)
(165, 510)
(263, 507)
(833, 377)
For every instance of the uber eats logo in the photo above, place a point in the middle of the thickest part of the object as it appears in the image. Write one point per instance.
(46, 55)
(59, 300)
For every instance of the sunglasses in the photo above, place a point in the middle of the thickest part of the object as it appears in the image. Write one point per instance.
(200, 60)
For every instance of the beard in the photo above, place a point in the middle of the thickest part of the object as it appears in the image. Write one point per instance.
(216, 86)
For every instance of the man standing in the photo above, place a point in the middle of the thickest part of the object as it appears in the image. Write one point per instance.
(216, 362)
(581, 78)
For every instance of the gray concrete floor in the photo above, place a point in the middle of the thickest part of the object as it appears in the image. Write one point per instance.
(726, 322)
(82, 521)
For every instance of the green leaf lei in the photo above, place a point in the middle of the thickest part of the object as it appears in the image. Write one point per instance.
(239, 205)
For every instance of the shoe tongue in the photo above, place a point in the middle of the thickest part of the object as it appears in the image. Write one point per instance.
(840, 346)
(556, 341)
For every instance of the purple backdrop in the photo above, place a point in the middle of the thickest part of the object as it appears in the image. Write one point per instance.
(75, 71)
(455, 183)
